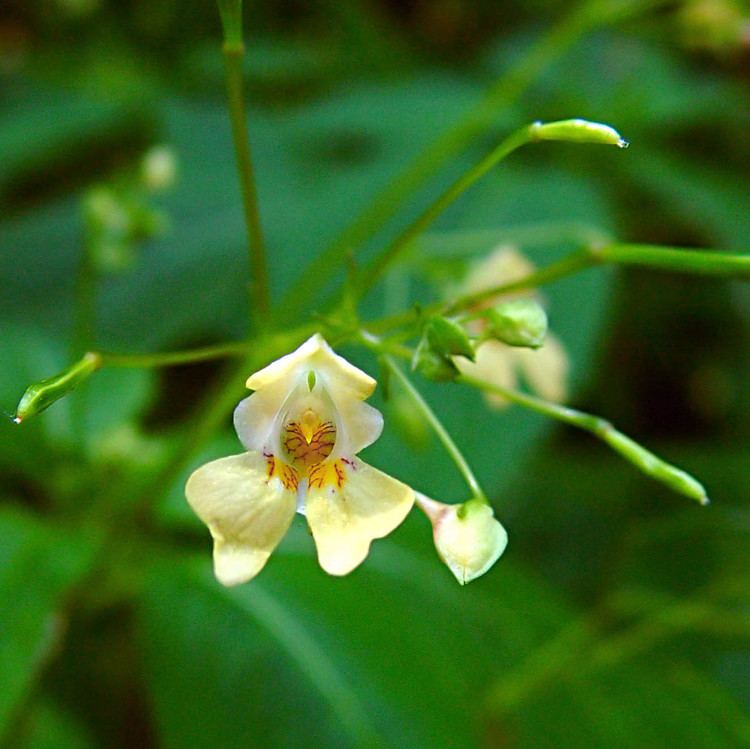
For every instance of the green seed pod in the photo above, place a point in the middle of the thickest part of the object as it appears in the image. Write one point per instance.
(432, 365)
(41, 395)
(447, 338)
(518, 322)
(652, 465)
(578, 131)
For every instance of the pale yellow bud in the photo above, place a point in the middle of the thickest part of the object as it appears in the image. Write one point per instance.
(468, 538)
(159, 168)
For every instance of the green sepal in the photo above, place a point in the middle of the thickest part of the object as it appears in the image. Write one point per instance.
(448, 338)
(431, 364)
(518, 322)
(41, 395)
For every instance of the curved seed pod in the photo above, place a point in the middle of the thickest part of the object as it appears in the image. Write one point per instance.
(41, 395)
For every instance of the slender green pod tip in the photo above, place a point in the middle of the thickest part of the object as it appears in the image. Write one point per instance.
(41, 395)
(677, 479)
(577, 131)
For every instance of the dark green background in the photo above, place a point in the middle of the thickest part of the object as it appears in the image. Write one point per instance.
(619, 615)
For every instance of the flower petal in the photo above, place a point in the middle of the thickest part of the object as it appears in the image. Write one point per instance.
(247, 513)
(344, 521)
(505, 264)
(495, 362)
(255, 418)
(359, 425)
(315, 354)
(546, 369)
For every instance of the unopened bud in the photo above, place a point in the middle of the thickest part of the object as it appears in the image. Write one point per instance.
(468, 538)
(578, 131)
(518, 322)
(448, 338)
(41, 395)
(432, 365)
(159, 168)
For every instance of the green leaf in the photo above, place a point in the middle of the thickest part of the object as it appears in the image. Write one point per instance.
(38, 566)
(297, 658)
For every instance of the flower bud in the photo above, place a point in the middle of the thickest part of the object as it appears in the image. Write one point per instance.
(468, 538)
(43, 394)
(518, 322)
(578, 131)
(159, 168)
(432, 365)
(448, 338)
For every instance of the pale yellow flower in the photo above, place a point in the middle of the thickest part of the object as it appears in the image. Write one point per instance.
(545, 369)
(467, 537)
(302, 429)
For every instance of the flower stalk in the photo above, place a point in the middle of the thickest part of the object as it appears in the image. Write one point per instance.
(643, 459)
(441, 432)
(234, 51)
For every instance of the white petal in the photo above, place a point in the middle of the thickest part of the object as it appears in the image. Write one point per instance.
(345, 521)
(495, 363)
(316, 355)
(246, 513)
(503, 265)
(546, 369)
(358, 424)
(255, 417)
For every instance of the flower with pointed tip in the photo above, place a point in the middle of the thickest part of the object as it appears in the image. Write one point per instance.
(302, 429)
(544, 369)
(467, 537)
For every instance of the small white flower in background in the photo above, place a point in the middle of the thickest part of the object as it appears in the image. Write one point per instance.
(302, 429)
(468, 538)
(159, 168)
(545, 369)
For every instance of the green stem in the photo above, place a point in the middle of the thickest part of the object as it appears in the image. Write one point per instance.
(634, 453)
(676, 259)
(442, 433)
(234, 51)
(84, 325)
(519, 138)
(506, 90)
(172, 358)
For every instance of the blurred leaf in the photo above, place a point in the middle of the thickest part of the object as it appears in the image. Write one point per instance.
(38, 565)
(51, 728)
(300, 659)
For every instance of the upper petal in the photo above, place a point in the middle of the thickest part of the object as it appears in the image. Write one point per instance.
(344, 521)
(247, 513)
(316, 355)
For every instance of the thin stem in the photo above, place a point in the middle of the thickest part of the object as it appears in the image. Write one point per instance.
(234, 51)
(678, 259)
(506, 90)
(391, 253)
(442, 433)
(634, 453)
(84, 325)
(172, 358)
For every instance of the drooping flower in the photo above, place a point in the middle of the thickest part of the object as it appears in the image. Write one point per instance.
(302, 429)
(545, 369)
(467, 536)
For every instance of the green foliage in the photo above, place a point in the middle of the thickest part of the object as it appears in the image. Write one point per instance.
(617, 617)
